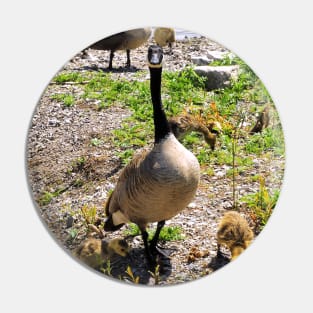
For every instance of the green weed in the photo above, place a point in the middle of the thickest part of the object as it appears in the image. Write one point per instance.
(89, 213)
(68, 77)
(68, 100)
(126, 156)
(48, 196)
(96, 142)
(129, 272)
(168, 233)
(261, 203)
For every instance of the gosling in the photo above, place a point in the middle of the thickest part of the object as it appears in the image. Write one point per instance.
(164, 36)
(94, 252)
(127, 40)
(235, 233)
(184, 124)
(262, 122)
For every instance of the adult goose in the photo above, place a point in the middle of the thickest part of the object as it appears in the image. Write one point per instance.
(127, 40)
(164, 36)
(157, 184)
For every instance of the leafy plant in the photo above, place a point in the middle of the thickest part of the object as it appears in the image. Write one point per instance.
(126, 156)
(73, 232)
(156, 274)
(261, 203)
(89, 213)
(130, 273)
(96, 142)
(47, 196)
(77, 164)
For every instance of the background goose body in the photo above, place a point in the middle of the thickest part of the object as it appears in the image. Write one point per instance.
(126, 40)
(164, 36)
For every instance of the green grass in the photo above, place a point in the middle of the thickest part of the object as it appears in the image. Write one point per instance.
(168, 233)
(126, 155)
(96, 142)
(68, 100)
(179, 91)
(77, 164)
(47, 196)
(68, 77)
(271, 139)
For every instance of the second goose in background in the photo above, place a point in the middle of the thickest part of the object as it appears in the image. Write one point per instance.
(157, 184)
(164, 36)
(127, 40)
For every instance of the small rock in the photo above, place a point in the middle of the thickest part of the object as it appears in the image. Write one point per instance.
(201, 60)
(217, 76)
(54, 122)
(192, 205)
(219, 55)
(69, 221)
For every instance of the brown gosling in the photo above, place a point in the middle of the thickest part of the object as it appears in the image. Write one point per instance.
(127, 40)
(262, 121)
(164, 36)
(157, 184)
(94, 252)
(181, 125)
(234, 232)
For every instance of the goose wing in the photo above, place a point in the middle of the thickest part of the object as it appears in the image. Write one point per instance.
(125, 189)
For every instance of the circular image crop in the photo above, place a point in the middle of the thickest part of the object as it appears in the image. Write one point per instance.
(155, 156)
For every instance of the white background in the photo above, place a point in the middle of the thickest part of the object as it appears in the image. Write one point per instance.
(272, 37)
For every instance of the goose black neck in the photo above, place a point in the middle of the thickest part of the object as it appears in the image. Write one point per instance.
(161, 125)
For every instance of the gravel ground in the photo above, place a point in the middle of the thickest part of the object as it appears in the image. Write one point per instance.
(58, 136)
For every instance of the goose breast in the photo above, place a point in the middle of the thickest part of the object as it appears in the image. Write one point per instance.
(161, 185)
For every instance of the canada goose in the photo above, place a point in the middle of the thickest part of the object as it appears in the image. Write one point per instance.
(181, 125)
(157, 184)
(163, 36)
(127, 40)
(262, 121)
(94, 252)
(234, 232)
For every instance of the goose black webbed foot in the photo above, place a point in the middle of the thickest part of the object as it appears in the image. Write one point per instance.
(160, 251)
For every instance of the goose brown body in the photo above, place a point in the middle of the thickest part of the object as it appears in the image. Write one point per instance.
(156, 185)
(126, 40)
(130, 39)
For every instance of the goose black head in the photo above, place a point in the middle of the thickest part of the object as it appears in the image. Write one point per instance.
(155, 56)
